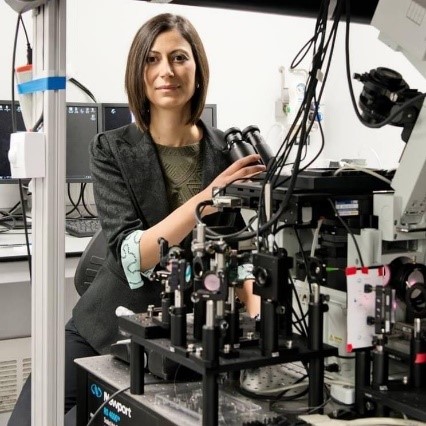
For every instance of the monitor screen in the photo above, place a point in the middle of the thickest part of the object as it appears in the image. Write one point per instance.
(5, 131)
(115, 116)
(209, 114)
(83, 123)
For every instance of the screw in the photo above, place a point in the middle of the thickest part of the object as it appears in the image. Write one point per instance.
(150, 310)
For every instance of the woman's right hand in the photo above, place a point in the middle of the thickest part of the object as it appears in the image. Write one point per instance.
(243, 168)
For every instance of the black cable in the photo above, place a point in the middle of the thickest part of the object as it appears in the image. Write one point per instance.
(15, 44)
(29, 48)
(348, 230)
(298, 324)
(84, 186)
(308, 96)
(305, 104)
(83, 88)
(304, 128)
(24, 216)
(301, 320)
(303, 110)
(11, 210)
(199, 209)
(38, 123)
(75, 205)
(305, 260)
(14, 129)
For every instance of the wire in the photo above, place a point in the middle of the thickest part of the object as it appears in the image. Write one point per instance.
(14, 129)
(305, 259)
(29, 48)
(27, 240)
(301, 131)
(74, 204)
(84, 202)
(38, 123)
(12, 209)
(105, 403)
(323, 48)
(83, 88)
(15, 44)
(347, 166)
(301, 320)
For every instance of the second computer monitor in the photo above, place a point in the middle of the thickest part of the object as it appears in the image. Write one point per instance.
(83, 123)
(209, 114)
(115, 115)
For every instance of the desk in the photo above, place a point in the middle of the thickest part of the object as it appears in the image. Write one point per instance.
(15, 306)
(12, 245)
(15, 290)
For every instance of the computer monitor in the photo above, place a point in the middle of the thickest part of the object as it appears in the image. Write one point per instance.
(209, 114)
(83, 123)
(5, 131)
(115, 115)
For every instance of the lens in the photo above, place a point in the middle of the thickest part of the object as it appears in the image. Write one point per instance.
(237, 146)
(253, 136)
(408, 278)
(211, 282)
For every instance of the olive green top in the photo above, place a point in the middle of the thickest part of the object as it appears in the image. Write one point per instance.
(182, 171)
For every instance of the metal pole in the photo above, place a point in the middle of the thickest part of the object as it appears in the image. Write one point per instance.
(48, 262)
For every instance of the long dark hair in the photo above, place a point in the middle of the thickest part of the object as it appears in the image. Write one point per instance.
(136, 61)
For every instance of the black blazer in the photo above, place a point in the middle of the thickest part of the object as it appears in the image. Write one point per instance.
(130, 194)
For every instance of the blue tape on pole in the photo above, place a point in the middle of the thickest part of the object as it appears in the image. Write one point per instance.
(42, 84)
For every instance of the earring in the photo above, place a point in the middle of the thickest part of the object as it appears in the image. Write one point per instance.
(198, 85)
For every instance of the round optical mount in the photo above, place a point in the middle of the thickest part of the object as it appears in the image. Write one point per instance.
(261, 276)
(409, 280)
(415, 299)
(211, 282)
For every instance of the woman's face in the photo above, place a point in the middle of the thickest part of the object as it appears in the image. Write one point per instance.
(169, 73)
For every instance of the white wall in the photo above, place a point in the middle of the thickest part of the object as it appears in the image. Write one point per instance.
(245, 51)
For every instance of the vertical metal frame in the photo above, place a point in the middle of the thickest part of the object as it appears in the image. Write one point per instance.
(48, 262)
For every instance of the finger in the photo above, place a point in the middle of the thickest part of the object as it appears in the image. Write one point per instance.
(246, 173)
(247, 177)
(243, 162)
(250, 170)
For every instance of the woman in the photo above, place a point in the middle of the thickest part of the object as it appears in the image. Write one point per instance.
(148, 178)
